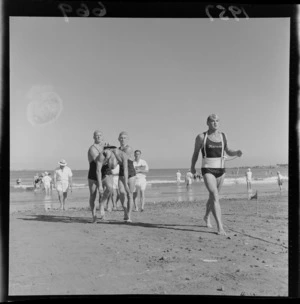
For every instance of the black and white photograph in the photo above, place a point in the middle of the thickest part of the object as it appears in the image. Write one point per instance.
(149, 154)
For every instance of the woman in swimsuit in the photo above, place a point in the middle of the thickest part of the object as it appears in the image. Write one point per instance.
(213, 144)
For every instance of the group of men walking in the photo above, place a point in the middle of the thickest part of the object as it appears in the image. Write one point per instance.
(116, 173)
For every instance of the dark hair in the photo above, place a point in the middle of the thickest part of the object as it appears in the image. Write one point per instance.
(109, 147)
(138, 151)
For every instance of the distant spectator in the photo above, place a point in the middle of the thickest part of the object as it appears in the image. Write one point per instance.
(249, 179)
(178, 177)
(188, 178)
(279, 180)
(62, 182)
(46, 180)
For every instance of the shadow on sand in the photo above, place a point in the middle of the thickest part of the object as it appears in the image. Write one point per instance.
(85, 220)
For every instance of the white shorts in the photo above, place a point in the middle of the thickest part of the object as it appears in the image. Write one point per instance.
(115, 182)
(189, 181)
(62, 186)
(140, 184)
(47, 186)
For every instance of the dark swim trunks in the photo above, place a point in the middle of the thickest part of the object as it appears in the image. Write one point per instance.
(217, 172)
(131, 170)
(105, 170)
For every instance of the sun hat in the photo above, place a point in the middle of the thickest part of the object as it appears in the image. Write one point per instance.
(62, 162)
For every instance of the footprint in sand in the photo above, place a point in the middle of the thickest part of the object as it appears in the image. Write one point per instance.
(44, 107)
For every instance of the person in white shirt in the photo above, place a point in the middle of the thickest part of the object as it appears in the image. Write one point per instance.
(188, 179)
(62, 182)
(249, 179)
(178, 177)
(46, 180)
(141, 167)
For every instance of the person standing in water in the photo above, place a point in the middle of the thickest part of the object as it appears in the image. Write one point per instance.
(62, 182)
(249, 181)
(188, 179)
(213, 144)
(178, 177)
(279, 180)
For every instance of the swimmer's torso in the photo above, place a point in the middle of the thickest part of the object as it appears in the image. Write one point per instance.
(93, 167)
(213, 152)
(131, 169)
(211, 148)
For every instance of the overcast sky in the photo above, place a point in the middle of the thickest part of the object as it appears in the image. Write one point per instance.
(157, 79)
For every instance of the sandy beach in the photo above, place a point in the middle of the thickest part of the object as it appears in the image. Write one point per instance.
(166, 250)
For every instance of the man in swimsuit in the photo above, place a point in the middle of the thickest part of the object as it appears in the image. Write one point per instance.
(93, 153)
(114, 157)
(126, 182)
(212, 144)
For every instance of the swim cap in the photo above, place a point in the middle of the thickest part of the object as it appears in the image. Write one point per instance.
(211, 117)
(123, 133)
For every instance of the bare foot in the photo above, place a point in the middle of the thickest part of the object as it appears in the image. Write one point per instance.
(207, 221)
(94, 219)
(221, 232)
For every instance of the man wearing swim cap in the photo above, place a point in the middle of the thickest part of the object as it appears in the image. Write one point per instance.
(213, 144)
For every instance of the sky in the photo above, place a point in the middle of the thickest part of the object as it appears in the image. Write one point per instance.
(158, 79)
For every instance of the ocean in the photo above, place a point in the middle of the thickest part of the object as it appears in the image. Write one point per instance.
(161, 185)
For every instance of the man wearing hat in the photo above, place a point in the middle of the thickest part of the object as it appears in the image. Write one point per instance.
(62, 181)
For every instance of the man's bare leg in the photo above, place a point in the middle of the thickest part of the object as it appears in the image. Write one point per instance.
(206, 216)
(213, 185)
(107, 184)
(93, 194)
(135, 195)
(142, 200)
(122, 196)
(114, 199)
(131, 185)
(61, 200)
(65, 194)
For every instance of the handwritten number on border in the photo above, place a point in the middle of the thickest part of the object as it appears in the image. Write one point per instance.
(222, 13)
(235, 11)
(65, 8)
(83, 11)
(99, 12)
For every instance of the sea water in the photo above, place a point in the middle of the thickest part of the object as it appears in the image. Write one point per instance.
(161, 186)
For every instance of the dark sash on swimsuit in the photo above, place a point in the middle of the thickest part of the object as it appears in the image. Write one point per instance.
(131, 170)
